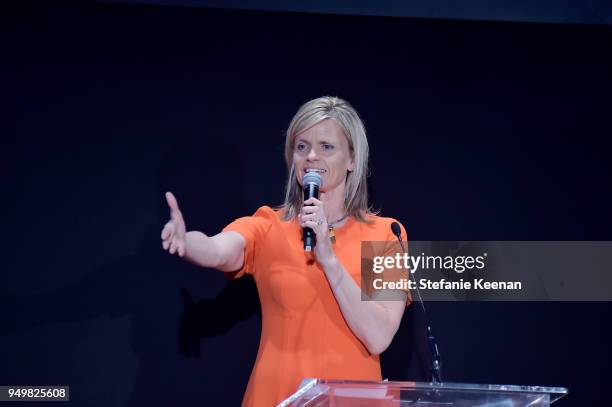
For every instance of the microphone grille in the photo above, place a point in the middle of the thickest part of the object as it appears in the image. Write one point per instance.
(312, 178)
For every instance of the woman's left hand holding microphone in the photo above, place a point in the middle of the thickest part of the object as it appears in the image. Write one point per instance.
(313, 215)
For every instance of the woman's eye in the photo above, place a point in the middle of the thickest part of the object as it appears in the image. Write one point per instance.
(328, 147)
(300, 147)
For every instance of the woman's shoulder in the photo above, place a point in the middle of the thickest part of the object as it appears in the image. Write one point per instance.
(265, 210)
(378, 221)
(381, 227)
(269, 213)
(259, 222)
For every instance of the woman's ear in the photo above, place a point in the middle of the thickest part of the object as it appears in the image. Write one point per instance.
(351, 166)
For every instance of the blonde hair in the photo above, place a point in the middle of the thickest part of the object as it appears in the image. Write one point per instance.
(356, 191)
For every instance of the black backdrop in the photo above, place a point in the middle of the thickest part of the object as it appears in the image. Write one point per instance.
(484, 131)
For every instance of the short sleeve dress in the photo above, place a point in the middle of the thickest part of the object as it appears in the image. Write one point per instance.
(304, 334)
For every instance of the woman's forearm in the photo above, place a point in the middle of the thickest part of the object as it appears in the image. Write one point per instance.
(200, 250)
(373, 323)
(224, 251)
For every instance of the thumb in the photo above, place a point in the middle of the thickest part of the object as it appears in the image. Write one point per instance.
(172, 202)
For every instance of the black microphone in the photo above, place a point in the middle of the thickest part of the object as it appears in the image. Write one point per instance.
(436, 362)
(312, 182)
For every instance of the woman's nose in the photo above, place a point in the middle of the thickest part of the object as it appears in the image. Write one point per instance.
(312, 154)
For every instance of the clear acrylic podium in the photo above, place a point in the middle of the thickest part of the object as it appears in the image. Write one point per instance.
(341, 393)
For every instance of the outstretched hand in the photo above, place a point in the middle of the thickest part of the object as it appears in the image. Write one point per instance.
(173, 234)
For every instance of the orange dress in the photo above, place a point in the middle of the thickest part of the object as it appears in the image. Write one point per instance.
(304, 334)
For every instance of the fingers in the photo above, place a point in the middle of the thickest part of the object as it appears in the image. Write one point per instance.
(173, 233)
(313, 201)
(167, 235)
(313, 205)
(310, 209)
(311, 217)
(177, 246)
(313, 225)
(170, 241)
(314, 212)
(167, 231)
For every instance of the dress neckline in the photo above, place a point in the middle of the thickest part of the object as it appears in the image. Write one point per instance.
(346, 224)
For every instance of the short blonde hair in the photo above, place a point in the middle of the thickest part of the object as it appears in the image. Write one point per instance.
(356, 192)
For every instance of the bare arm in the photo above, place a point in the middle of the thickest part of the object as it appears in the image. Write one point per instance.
(373, 322)
(224, 251)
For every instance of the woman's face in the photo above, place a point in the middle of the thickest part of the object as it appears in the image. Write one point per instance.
(325, 149)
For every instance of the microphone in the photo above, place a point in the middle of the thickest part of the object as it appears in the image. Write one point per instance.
(436, 362)
(312, 182)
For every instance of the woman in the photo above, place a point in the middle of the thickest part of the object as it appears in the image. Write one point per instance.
(314, 322)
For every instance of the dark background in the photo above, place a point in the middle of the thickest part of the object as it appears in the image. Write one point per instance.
(478, 131)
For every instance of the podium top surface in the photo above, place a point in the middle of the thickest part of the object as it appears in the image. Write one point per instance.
(308, 385)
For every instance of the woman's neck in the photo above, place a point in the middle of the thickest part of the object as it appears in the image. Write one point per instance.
(334, 204)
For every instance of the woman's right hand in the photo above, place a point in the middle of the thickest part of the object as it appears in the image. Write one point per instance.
(173, 234)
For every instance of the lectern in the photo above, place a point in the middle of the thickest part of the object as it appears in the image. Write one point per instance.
(341, 393)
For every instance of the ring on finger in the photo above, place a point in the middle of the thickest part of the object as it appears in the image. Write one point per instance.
(319, 222)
